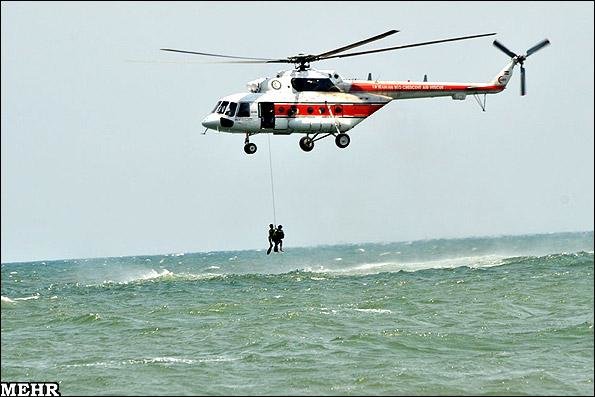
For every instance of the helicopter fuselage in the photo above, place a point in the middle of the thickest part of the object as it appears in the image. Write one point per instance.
(314, 102)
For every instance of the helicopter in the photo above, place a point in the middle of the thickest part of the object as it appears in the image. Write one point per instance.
(321, 103)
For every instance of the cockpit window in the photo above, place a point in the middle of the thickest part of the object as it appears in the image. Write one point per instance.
(231, 109)
(244, 110)
(216, 107)
(222, 107)
(307, 84)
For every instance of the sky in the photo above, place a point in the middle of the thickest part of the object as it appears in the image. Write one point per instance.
(102, 151)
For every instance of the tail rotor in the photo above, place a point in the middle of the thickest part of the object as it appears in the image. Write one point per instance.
(520, 59)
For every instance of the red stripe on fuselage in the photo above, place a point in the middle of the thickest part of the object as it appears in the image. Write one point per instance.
(322, 110)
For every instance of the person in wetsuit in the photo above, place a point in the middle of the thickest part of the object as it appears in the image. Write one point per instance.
(278, 237)
(271, 234)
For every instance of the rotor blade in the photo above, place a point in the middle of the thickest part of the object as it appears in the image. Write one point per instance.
(538, 47)
(217, 55)
(523, 87)
(406, 46)
(359, 43)
(248, 61)
(504, 49)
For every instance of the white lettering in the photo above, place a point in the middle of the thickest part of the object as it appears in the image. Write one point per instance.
(23, 389)
(37, 389)
(30, 389)
(52, 389)
(8, 389)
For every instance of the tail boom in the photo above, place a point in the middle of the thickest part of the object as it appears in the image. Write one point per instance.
(424, 89)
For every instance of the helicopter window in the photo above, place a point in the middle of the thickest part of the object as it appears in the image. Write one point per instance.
(222, 107)
(244, 110)
(310, 110)
(306, 84)
(231, 109)
(216, 106)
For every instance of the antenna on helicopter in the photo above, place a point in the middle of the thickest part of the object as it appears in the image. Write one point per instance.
(425, 77)
(369, 76)
(520, 59)
(302, 61)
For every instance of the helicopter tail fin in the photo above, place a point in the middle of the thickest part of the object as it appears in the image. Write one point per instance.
(504, 76)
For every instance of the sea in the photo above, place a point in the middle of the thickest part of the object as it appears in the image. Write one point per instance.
(500, 315)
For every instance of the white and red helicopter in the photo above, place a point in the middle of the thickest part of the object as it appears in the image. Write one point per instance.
(320, 103)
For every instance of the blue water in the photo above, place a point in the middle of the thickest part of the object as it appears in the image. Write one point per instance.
(498, 315)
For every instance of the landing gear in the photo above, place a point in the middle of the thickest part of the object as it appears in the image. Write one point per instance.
(342, 140)
(249, 148)
(307, 144)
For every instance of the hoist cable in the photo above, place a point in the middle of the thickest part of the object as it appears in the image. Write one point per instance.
(272, 184)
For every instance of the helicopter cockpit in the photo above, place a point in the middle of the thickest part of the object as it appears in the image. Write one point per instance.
(228, 108)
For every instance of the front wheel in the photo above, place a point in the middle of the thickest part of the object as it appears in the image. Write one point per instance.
(250, 148)
(342, 140)
(307, 144)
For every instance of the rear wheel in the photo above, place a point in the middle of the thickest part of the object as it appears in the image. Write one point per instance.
(250, 148)
(307, 144)
(342, 140)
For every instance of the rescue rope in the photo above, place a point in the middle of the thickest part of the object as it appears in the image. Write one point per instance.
(272, 185)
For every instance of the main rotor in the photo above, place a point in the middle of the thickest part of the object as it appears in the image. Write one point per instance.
(302, 61)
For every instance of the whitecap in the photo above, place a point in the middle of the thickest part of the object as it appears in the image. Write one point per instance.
(373, 310)
(27, 298)
(449, 263)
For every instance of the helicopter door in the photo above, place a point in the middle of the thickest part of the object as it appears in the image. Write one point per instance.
(267, 114)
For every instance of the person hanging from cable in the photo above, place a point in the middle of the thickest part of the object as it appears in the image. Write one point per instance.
(271, 235)
(278, 237)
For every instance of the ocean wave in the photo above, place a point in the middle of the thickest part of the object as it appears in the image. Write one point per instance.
(384, 311)
(6, 299)
(391, 267)
(152, 275)
(154, 360)
(334, 268)
(473, 262)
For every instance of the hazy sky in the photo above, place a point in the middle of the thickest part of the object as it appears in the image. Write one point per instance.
(104, 157)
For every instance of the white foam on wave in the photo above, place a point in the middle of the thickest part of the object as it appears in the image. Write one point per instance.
(155, 275)
(6, 299)
(149, 275)
(27, 298)
(373, 310)
(155, 360)
(451, 263)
